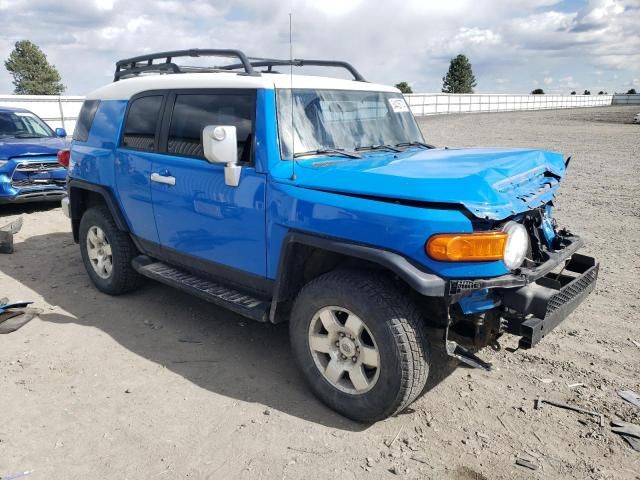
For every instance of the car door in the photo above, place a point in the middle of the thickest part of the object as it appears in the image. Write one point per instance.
(201, 221)
(134, 158)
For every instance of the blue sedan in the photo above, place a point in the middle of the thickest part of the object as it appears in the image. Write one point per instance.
(29, 170)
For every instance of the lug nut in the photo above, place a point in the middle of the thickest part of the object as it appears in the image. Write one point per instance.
(337, 344)
(354, 359)
(341, 334)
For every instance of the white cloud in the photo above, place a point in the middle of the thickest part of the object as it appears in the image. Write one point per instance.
(518, 40)
(547, 80)
(104, 4)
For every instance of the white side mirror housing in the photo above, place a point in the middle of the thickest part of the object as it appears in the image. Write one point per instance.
(220, 145)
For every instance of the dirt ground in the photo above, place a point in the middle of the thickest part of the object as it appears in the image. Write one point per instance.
(158, 384)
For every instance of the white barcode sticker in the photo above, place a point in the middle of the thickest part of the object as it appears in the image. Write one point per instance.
(398, 105)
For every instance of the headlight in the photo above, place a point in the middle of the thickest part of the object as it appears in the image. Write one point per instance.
(517, 245)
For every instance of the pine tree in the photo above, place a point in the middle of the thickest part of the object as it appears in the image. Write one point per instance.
(32, 73)
(404, 87)
(459, 78)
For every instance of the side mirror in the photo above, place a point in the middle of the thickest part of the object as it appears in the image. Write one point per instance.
(221, 146)
(61, 132)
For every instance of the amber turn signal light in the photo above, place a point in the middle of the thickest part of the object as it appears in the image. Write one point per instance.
(467, 247)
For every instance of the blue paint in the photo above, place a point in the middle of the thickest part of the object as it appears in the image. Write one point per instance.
(478, 302)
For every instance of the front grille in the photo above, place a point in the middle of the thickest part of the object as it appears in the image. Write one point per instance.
(572, 290)
(28, 174)
(37, 167)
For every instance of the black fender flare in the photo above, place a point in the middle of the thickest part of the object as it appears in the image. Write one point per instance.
(423, 282)
(77, 207)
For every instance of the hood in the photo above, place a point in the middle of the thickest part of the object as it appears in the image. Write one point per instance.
(18, 147)
(489, 183)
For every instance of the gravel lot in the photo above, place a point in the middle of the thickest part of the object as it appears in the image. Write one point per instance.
(158, 384)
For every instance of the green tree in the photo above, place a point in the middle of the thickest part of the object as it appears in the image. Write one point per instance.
(404, 87)
(537, 91)
(459, 78)
(587, 92)
(32, 73)
(631, 91)
(573, 93)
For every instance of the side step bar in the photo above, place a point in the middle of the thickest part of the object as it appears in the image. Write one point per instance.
(203, 288)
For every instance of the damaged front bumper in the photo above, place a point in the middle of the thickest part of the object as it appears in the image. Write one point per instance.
(528, 303)
(534, 310)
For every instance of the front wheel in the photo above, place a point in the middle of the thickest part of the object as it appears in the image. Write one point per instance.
(361, 344)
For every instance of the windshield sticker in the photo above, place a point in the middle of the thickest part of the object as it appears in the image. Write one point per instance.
(24, 114)
(398, 105)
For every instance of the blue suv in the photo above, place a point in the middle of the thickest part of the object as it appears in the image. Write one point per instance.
(316, 201)
(29, 170)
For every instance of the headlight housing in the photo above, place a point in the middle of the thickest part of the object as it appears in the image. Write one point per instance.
(515, 251)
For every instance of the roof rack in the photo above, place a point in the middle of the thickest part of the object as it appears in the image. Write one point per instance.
(298, 62)
(144, 63)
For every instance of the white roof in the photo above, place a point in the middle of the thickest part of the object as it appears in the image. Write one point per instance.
(125, 89)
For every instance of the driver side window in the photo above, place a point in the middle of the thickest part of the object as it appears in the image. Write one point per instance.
(193, 112)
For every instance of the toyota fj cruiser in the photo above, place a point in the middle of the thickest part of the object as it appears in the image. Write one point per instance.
(316, 200)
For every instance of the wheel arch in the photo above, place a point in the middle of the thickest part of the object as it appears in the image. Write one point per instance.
(84, 195)
(305, 256)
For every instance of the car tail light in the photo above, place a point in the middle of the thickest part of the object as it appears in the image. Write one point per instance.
(63, 157)
(467, 247)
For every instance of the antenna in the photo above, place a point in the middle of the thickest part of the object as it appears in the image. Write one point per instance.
(293, 133)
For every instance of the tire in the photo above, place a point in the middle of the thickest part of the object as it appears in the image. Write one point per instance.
(391, 325)
(120, 277)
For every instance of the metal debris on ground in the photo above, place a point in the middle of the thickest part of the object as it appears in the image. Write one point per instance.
(630, 396)
(629, 431)
(6, 235)
(526, 462)
(16, 475)
(15, 315)
(574, 385)
(539, 401)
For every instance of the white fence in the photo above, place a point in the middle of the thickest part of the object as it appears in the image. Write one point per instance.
(626, 99)
(57, 111)
(62, 111)
(440, 103)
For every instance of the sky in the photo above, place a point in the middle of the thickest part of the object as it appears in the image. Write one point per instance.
(514, 45)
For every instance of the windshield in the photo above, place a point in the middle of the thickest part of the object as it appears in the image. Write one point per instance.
(23, 125)
(342, 120)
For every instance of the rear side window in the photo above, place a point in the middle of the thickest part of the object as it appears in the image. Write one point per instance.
(193, 112)
(85, 119)
(142, 120)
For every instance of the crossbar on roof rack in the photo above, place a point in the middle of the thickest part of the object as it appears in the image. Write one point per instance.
(145, 63)
(299, 62)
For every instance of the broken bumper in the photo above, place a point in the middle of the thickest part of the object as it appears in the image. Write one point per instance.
(534, 310)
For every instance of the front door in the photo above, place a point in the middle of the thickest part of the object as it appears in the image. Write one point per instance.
(200, 220)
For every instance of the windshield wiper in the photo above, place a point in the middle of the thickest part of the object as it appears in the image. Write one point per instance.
(379, 147)
(415, 144)
(28, 135)
(327, 151)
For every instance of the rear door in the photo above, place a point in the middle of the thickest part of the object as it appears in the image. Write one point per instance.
(135, 154)
(201, 221)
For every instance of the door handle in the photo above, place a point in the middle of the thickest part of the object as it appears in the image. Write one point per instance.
(167, 180)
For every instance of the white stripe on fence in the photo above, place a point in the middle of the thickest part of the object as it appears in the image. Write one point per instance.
(62, 111)
(442, 103)
(57, 111)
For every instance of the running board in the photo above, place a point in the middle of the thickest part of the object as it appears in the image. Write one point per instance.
(203, 288)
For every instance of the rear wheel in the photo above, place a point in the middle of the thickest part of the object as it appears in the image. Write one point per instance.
(107, 253)
(361, 344)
